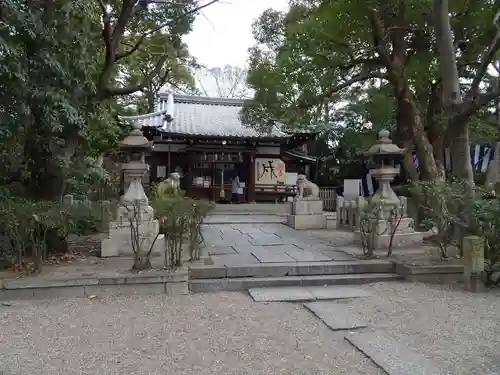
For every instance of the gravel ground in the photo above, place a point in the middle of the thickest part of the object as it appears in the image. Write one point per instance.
(458, 331)
(224, 333)
(227, 333)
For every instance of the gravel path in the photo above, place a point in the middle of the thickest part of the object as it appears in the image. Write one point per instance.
(224, 333)
(458, 331)
(227, 333)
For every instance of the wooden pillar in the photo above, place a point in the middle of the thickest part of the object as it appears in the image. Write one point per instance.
(189, 172)
(251, 184)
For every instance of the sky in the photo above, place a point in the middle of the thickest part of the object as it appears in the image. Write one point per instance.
(222, 34)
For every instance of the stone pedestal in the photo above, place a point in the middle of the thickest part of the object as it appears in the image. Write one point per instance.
(405, 234)
(307, 214)
(473, 248)
(119, 242)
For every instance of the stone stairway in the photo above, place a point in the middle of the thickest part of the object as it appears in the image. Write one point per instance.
(210, 278)
(279, 209)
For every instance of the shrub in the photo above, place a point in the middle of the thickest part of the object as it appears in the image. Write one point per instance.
(445, 210)
(442, 205)
(369, 224)
(180, 222)
(30, 230)
(81, 219)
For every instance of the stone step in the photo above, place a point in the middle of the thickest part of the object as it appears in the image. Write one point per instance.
(291, 269)
(253, 207)
(245, 283)
(391, 355)
(307, 293)
(244, 219)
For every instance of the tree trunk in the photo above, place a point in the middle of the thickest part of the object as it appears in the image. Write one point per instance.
(141, 262)
(460, 151)
(409, 117)
(452, 99)
(439, 150)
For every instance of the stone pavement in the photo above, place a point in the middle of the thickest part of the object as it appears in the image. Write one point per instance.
(234, 218)
(246, 239)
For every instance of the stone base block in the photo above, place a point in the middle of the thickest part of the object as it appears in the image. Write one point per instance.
(119, 243)
(399, 240)
(307, 207)
(302, 222)
(405, 226)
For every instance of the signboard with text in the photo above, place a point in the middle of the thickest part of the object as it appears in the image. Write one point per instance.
(269, 171)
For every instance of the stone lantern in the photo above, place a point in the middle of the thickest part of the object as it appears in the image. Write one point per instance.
(135, 146)
(382, 158)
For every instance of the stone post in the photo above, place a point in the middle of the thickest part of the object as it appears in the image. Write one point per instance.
(360, 205)
(68, 200)
(340, 212)
(404, 206)
(473, 248)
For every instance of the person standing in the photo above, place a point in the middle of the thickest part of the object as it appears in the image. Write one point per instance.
(235, 188)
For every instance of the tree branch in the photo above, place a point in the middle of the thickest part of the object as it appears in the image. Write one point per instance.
(121, 23)
(378, 40)
(447, 55)
(158, 28)
(134, 48)
(112, 42)
(165, 24)
(120, 91)
(333, 90)
(106, 29)
(484, 63)
(477, 102)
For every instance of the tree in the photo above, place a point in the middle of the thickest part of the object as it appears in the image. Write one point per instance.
(321, 51)
(453, 103)
(66, 67)
(226, 82)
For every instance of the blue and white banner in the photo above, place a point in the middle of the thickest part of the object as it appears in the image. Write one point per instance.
(480, 156)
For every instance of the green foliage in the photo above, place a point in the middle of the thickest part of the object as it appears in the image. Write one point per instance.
(487, 221)
(180, 222)
(68, 67)
(32, 230)
(65, 78)
(443, 206)
(370, 216)
(82, 219)
(343, 66)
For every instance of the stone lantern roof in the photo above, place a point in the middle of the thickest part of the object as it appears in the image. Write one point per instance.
(136, 140)
(384, 146)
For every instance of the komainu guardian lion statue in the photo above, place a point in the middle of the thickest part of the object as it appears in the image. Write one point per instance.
(306, 190)
(171, 184)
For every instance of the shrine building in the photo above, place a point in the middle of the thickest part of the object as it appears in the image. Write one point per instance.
(204, 140)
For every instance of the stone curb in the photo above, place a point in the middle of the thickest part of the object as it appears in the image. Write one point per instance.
(446, 273)
(245, 283)
(290, 269)
(139, 284)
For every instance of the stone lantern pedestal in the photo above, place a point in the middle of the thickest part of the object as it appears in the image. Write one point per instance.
(393, 209)
(134, 208)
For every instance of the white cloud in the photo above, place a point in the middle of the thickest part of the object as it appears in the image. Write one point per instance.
(222, 34)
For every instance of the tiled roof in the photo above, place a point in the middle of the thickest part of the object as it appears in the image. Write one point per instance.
(196, 115)
(300, 155)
